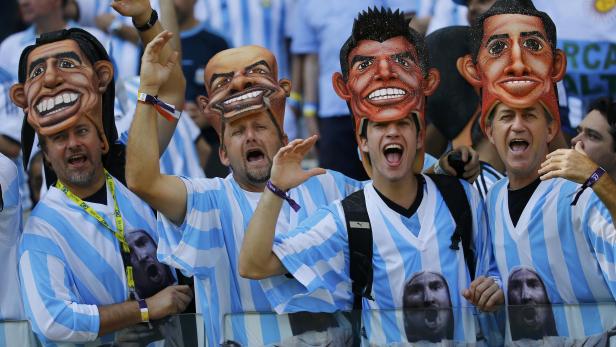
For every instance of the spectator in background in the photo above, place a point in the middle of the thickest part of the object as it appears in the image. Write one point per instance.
(199, 44)
(597, 134)
(586, 36)
(10, 19)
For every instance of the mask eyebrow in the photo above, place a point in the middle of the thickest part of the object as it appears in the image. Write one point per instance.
(361, 58)
(219, 75)
(532, 33)
(70, 55)
(496, 37)
(260, 62)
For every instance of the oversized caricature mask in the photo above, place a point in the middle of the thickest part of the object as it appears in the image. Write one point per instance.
(384, 73)
(515, 58)
(241, 82)
(66, 75)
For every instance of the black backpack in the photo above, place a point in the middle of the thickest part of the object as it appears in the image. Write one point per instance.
(360, 239)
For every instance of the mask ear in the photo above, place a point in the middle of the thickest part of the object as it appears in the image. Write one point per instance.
(18, 95)
(468, 70)
(285, 84)
(432, 81)
(202, 101)
(559, 66)
(104, 72)
(340, 86)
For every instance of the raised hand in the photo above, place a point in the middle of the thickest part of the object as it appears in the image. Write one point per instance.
(570, 164)
(140, 10)
(155, 73)
(287, 171)
(169, 301)
(484, 293)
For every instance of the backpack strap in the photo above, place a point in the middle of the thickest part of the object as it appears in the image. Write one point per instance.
(359, 233)
(455, 198)
(360, 246)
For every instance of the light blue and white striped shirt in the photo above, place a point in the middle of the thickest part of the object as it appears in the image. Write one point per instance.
(69, 263)
(207, 245)
(316, 254)
(486, 179)
(571, 248)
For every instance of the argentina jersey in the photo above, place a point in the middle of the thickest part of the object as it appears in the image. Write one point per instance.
(69, 263)
(408, 253)
(565, 252)
(207, 246)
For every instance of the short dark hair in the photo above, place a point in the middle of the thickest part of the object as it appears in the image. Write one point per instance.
(500, 7)
(381, 25)
(607, 107)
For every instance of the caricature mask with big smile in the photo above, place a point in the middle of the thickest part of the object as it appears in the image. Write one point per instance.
(241, 82)
(61, 86)
(516, 63)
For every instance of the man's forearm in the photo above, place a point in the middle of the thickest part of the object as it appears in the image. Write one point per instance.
(256, 258)
(118, 316)
(605, 188)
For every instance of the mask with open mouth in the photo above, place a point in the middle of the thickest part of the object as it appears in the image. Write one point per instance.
(241, 82)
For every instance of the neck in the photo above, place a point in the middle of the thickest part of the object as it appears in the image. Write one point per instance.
(189, 23)
(86, 190)
(51, 22)
(250, 186)
(401, 192)
(520, 181)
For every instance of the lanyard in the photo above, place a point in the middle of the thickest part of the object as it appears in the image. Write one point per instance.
(119, 234)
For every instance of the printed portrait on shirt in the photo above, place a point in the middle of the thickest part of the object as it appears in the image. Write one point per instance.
(428, 314)
(530, 310)
(150, 275)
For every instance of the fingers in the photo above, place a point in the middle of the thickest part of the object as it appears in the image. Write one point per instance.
(155, 46)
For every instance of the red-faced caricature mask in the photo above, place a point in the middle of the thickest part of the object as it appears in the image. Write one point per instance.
(516, 65)
(385, 83)
(60, 86)
(241, 82)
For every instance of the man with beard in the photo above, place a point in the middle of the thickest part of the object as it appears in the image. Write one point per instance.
(427, 308)
(540, 216)
(530, 312)
(74, 261)
(150, 275)
(385, 80)
(202, 221)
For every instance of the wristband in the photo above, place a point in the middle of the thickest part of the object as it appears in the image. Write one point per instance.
(164, 109)
(283, 195)
(149, 24)
(295, 99)
(143, 308)
(594, 177)
(309, 110)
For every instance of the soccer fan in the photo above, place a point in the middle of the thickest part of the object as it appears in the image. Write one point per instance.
(385, 80)
(561, 230)
(597, 134)
(202, 221)
(74, 260)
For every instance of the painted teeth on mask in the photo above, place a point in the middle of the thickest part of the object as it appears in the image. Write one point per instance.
(386, 93)
(244, 97)
(50, 103)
